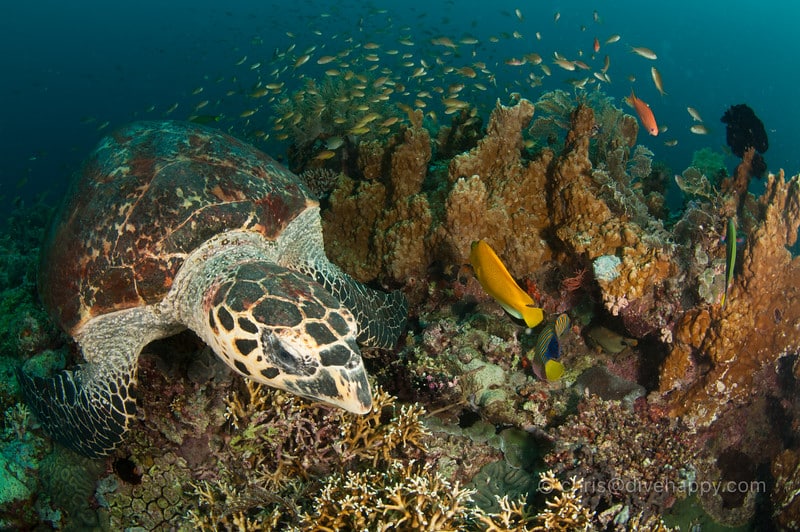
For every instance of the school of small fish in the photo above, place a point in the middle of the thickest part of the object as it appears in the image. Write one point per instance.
(442, 74)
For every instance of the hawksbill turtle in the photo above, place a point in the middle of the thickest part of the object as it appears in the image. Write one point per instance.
(173, 225)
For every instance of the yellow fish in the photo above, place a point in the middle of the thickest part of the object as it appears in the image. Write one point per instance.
(498, 283)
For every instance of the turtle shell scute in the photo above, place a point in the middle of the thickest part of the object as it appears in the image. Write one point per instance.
(149, 194)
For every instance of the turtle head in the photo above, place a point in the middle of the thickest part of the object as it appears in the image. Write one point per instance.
(280, 328)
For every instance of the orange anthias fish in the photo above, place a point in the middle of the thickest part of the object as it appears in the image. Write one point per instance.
(596, 45)
(645, 114)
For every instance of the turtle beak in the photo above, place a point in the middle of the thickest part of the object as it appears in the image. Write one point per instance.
(354, 394)
(344, 386)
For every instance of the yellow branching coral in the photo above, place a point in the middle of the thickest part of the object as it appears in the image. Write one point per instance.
(404, 497)
(565, 511)
(286, 444)
(513, 517)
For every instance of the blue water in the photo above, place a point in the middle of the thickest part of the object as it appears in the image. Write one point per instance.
(69, 67)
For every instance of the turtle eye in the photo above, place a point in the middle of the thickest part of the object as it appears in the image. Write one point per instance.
(288, 362)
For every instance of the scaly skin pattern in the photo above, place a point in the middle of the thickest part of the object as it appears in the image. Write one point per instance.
(173, 225)
(150, 194)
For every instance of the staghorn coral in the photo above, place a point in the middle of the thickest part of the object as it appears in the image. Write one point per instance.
(731, 340)
(286, 444)
(405, 497)
(565, 511)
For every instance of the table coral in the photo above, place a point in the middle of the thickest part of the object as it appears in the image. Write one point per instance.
(757, 326)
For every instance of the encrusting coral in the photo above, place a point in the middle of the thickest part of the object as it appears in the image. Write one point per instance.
(720, 350)
(378, 226)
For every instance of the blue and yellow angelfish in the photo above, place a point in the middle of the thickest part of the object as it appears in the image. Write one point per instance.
(548, 350)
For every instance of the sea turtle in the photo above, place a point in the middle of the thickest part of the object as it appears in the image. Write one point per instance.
(173, 225)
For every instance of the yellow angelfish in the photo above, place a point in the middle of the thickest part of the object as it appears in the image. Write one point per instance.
(498, 283)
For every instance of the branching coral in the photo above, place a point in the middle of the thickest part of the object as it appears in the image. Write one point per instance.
(399, 498)
(283, 442)
(320, 180)
(565, 510)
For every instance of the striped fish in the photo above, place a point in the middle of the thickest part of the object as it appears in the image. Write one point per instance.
(548, 349)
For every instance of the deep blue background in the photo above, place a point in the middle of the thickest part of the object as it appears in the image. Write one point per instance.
(68, 67)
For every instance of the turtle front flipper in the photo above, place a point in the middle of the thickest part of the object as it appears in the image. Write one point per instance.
(90, 409)
(82, 413)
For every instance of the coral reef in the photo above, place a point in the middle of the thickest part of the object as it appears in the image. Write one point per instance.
(270, 429)
(621, 453)
(718, 351)
(496, 196)
(578, 225)
(404, 497)
(786, 497)
(378, 226)
(493, 193)
(588, 227)
(564, 512)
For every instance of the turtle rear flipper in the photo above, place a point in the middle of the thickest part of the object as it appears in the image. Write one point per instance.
(88, 415)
